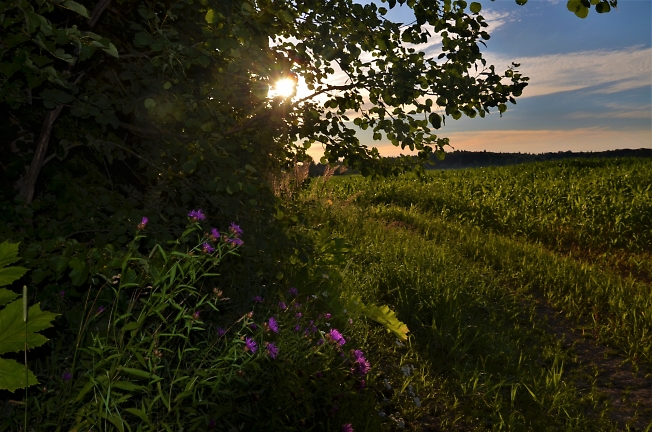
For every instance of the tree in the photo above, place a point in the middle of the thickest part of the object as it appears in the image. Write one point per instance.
(170, 98)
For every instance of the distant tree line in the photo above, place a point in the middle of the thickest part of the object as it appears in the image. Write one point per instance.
(470, 159)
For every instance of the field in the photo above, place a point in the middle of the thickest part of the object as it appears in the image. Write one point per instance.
(526, 290)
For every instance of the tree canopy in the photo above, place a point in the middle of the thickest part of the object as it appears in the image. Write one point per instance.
(158, 102)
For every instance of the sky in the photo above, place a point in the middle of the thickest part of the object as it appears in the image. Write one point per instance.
(590, 85)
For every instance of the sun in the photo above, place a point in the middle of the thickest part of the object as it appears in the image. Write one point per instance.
(285, 87)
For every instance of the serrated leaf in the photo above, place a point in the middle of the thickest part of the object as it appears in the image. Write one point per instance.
(11, 274)
(8, 253)
(12, 327)
(76, 7)
(382, 315)
(12, 375)
(6, 296)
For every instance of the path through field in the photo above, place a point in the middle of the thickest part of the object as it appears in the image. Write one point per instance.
(515, 288)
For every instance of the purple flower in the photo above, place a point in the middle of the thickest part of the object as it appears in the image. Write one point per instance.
(320, 342)
(100, 309)
(282, 305)
(207, 248)
(337, 337)
(293, 291)
(235, 229)
(258, 299)
(66, 376)
(361, 384)
(347, 427)
(196, 215)
(250, 345)
(273, 325)
(215, 234)
(327, 316)
(299, 315)
(297, 328)
(253, 326)
(361, 366)
(235, 242)
(195, 315)
(272, 350)
(220, 332)
(297, 305)
(143, 223)
(62, 293)
(313, 329)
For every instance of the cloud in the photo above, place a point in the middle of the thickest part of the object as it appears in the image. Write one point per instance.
(532, 141)
(605, 71)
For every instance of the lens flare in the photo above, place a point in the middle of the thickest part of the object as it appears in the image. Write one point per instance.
(285, 87)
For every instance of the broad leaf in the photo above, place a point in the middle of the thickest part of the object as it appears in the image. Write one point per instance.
(6, 296)
(8, 253)
(12, 375)
(11, 274)
(74, 6)
(12, 327)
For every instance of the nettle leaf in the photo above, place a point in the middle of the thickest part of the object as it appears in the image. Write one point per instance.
(12, 375)
(14, 333)
(76, 7)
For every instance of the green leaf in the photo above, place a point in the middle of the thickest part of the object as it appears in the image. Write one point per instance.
(126, 385)
(11, 274)
(150, 103)
(143, 38)
(475, 7)
(138, 373)
(8, 253)
(76, 7)
(79, 276)
(521, 2)
(6, 296)
(167, 85)
(138, 413)
(602, 7)
(12, 375)
(12, 327)
(112, 51)
(382, 315)
(210, 15)
(131, 326)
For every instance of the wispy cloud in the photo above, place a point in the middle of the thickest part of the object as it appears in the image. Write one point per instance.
(607, 71)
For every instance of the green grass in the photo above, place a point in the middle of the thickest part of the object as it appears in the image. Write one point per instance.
(464, 257)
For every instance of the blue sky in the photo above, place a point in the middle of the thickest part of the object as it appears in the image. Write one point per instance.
(590, 79)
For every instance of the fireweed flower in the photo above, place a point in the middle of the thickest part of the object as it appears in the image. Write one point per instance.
(347, 427)
(293, 291)
(337, 337)
(207, 248)
(215, 234)
(235, 229)
(272, 350)
(143, 223)
(66, 376)
(250, 345)
(196, 215)
(273, 325)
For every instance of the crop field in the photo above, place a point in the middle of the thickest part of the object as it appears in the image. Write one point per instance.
(526, 290)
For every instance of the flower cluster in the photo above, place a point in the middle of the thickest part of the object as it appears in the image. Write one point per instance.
(196, 215)
(336, 337)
